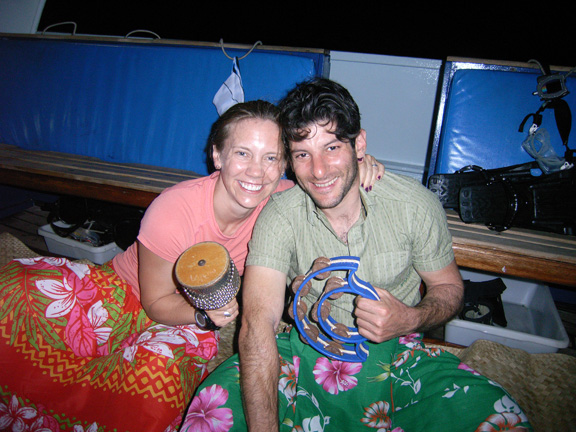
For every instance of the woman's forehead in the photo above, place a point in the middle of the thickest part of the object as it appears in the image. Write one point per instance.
(254, 132)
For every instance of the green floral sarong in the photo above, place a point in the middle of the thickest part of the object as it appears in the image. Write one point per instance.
(403, 386)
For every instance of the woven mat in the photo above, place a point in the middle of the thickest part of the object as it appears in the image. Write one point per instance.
(228, 345)
(543, 384)
(11, 247)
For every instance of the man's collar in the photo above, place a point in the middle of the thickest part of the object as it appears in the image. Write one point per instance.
(313, 213)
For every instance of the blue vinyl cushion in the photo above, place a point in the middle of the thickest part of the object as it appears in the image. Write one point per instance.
(482, 112)
(129, 102)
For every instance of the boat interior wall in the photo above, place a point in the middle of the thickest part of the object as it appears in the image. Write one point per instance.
(396, 97)
(130, 102)
(480, 110)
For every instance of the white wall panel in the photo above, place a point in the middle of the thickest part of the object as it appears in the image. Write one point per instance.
(396, 96)
(20, 16)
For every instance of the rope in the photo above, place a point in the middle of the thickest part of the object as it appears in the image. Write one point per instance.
(143, 31)
(244, 56)
(61, 23)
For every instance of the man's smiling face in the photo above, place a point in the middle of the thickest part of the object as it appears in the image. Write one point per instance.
(326, 168)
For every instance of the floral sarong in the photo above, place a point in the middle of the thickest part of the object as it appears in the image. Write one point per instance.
(403, 386)
(78, 353)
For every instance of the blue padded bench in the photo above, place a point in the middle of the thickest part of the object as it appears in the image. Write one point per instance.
(120, 119)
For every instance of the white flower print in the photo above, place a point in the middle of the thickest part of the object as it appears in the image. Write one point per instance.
(98, 315)
(157, 342)
(61, 292)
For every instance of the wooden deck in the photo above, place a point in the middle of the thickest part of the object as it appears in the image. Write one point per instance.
(24, 226)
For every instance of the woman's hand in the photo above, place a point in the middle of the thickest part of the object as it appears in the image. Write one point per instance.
(225, 315)
(370, 171)
(162, 300)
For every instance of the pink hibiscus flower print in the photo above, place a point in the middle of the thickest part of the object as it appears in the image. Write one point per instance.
(77, 276)
(43, 262)
(85, 332)
(464, 366)
(63, 295)
(73, 288)
(80, 335)
(376, 415)
(205, 414)
(289, 378)
(410, 340)
(44, 422)
(500, 422)
(160, 343)
(336, 376)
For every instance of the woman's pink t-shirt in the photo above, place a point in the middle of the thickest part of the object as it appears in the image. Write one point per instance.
(180, 217)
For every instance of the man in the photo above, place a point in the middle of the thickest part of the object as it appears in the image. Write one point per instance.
(400, 234)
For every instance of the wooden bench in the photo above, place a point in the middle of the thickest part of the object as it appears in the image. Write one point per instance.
(523, 253)
(68, 174)
(536, 255)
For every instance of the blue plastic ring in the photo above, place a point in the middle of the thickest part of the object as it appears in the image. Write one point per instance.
(354, 347)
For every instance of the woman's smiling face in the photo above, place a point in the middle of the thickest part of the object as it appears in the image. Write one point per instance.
(251, 162)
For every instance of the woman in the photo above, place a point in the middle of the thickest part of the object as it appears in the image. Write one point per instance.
(91, 339)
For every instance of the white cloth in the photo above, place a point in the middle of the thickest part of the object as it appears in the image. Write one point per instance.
(231, 92)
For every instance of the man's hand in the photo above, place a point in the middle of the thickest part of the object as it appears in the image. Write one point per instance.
(387, 318)
(384, 319)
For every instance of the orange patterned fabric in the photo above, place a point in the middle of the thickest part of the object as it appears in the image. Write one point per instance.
(78, 353)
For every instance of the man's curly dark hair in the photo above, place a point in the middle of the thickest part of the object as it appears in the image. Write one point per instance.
(318, 101)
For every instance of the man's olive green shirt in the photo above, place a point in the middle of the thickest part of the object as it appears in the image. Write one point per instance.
(402, 230)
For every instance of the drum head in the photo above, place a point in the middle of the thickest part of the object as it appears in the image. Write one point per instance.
(203, 265)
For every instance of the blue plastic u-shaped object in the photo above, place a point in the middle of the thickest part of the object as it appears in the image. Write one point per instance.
(353, 347)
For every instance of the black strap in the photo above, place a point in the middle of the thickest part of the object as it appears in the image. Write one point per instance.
(537, 118)
(563, 117)
(512, 170)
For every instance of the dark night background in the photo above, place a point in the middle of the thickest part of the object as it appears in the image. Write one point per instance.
(505, 30)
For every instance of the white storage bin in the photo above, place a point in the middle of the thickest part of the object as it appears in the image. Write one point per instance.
(533, 321)
(75, 249)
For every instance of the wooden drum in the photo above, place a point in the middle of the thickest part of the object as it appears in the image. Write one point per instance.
(207, 275)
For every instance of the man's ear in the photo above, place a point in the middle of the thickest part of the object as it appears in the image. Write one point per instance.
(361, 144)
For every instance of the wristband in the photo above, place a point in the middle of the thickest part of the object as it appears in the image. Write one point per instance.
(203, 320)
